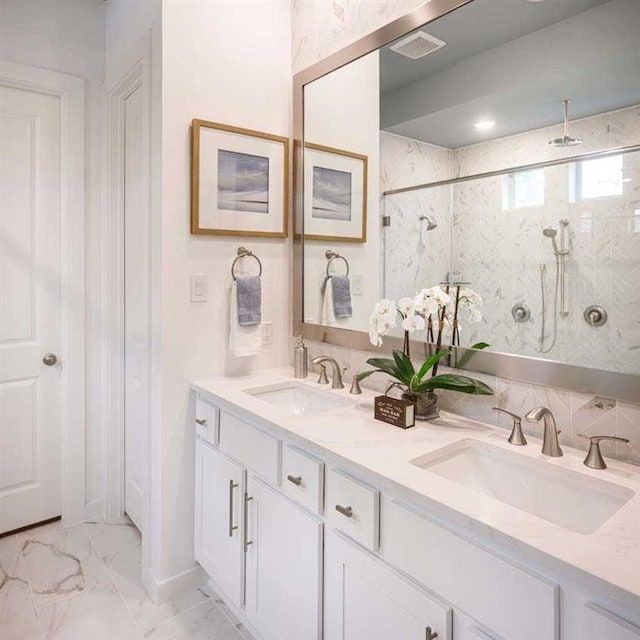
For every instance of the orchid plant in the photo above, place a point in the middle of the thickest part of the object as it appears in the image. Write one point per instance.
(429, 306)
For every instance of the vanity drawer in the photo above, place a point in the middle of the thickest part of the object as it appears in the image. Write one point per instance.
(510, 600)
(255, 449)
(600, 624)
(206, 419)
(302, 478)
(353, 508)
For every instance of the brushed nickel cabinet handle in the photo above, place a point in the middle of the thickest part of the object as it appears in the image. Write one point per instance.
(430, 635)
(247, 499)
(297, 480)
(201, 421)
(232, 527)
(345, 511)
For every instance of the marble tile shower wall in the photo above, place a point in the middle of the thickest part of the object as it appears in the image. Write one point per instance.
(501, 252)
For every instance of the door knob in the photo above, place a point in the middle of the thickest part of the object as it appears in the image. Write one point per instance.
(49, 359)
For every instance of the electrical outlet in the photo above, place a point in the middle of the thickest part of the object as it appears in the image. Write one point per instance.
(357, 282)
(267, 334)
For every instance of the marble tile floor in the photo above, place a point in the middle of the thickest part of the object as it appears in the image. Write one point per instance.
(84, 583)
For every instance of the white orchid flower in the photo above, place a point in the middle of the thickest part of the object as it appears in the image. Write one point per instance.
(406, 307)
(374, 337)
(414, 323)
(385, 307)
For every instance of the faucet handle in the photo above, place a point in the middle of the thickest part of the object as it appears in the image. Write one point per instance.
(517, 436)
(594, 459)
(323, 375)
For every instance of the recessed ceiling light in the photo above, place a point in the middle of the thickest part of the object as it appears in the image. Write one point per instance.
(485, 125)
(535, 0)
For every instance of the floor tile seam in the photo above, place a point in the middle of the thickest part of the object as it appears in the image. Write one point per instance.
(94, 545)
(209, 601)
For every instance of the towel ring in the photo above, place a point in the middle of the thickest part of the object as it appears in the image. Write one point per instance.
(333, 255)
(244, 253)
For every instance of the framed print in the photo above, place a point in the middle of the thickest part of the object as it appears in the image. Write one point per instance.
(335, 194)
(239, 181)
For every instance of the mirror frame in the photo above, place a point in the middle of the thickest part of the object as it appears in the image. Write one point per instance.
(621, 386)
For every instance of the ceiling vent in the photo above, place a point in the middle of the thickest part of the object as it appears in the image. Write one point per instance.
(417, 45)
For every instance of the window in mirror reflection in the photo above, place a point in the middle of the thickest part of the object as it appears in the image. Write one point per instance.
(523, 189)
(636, 221)
(599, 178)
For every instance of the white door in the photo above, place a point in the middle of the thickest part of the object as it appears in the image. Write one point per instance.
(218, 519)
(283, 567)
(30, 320)
(136, 312)
(366, 600)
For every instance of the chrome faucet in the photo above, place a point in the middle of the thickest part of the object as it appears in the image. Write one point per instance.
(550, 444)
(336, 381)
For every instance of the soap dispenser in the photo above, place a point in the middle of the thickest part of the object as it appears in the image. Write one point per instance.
(300, 359)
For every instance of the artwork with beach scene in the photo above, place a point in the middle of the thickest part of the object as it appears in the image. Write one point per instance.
(331, 194)
(243, 182)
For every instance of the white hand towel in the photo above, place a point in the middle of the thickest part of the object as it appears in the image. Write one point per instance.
(327, 315)
(243, 341)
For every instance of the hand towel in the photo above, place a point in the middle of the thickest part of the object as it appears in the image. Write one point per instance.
(249, 294)
(243, 341)
(341, 290)
(327, 317)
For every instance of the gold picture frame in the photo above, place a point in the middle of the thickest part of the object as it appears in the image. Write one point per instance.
(335, 194)
(239, 181)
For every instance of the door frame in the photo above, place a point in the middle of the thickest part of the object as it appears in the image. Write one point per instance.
(71, 92)
(132, 73)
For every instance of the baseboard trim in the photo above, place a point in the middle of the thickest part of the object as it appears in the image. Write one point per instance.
(91, 511)
(161, 591)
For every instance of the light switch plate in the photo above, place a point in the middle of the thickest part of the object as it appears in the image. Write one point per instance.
(198, 287)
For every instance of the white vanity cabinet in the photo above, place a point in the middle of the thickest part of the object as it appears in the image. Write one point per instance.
(307, 547)
(219, 493)
(283, 566)
(367, 600)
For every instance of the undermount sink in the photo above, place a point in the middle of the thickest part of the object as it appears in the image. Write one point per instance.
(567, 498)
(298, 398)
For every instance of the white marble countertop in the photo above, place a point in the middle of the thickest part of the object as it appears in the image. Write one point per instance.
(608, 559)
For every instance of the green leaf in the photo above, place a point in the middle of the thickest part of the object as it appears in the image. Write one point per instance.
(469, 354)
(480, 345)
(455, 382)
(404, 364)
(427, 366)
(365, 374)
(386, 365)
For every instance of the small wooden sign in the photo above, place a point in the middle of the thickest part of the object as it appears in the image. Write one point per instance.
(399, 413)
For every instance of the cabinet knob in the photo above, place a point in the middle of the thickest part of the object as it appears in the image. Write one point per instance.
(201, 421)
(345, 511)
(297, 480)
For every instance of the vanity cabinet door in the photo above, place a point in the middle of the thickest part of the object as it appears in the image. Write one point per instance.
(367, 600)
(283, 566)
(219, 490)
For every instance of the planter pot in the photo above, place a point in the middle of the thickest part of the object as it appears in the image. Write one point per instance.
(426, 404)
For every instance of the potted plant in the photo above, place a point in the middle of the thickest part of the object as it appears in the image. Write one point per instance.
(421, 312)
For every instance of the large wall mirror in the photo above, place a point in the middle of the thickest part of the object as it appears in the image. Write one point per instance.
(490, 148)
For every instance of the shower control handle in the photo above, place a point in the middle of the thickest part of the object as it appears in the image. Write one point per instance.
(595, 315)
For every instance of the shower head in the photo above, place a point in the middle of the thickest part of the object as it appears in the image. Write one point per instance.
(552, 232)
(565, 140)
(431, 223)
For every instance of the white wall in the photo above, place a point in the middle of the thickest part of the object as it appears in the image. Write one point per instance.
(342, 111)
(227, 61)
(68, 36)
